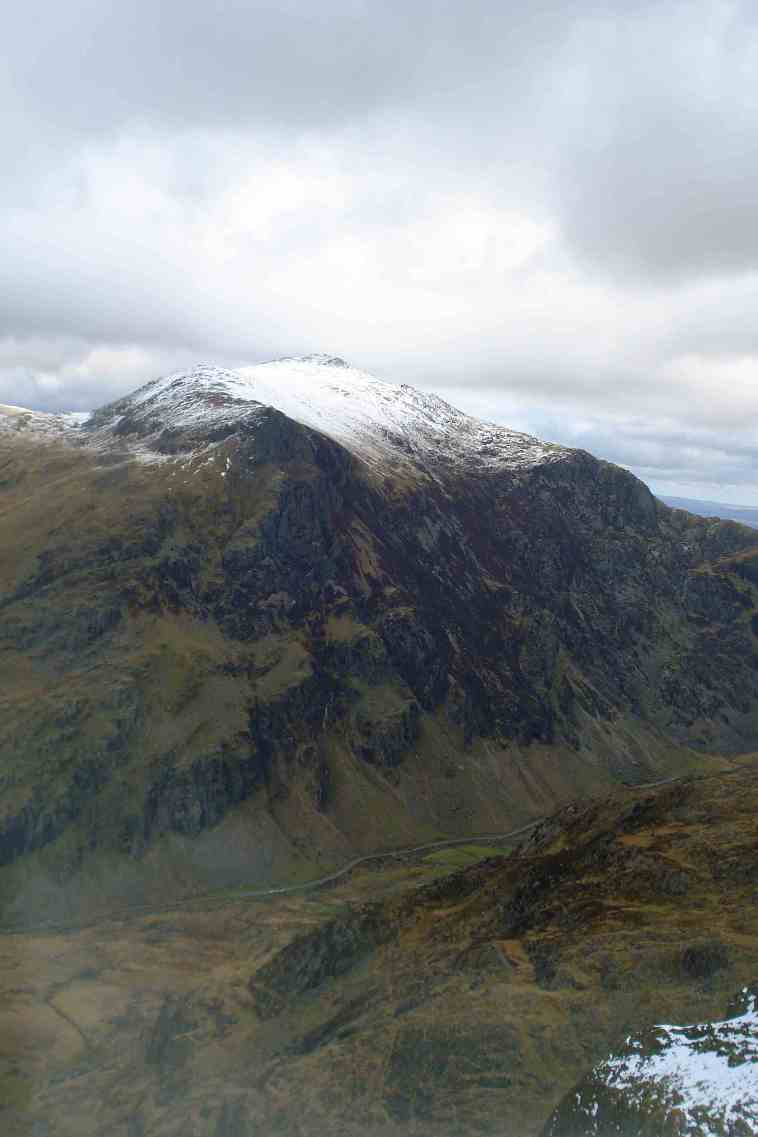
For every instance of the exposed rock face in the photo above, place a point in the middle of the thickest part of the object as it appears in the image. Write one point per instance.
(313, 960)
(204, 601)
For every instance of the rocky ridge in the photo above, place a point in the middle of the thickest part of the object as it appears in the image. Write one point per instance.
(251, 623)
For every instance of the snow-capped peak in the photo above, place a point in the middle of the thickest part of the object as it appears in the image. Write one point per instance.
(323, 359)
(386, 425)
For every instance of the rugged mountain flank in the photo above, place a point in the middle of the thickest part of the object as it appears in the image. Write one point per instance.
(238, 641)
(505, 999)
(477, 1003)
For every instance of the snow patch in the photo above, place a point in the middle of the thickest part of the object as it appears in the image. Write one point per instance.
(706, 1071)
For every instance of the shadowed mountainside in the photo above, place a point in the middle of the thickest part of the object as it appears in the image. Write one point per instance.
(243, 653)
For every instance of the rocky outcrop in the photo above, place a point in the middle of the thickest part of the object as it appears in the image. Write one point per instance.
(309, 961)
(261, 599)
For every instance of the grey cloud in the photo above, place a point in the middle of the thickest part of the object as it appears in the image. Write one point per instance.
(545, 209)
(94, 65)
(656, 178)
(667, 456)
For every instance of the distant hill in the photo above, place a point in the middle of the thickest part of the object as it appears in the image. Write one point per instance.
(747, 515)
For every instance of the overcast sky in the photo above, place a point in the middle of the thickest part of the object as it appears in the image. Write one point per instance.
(544, 211)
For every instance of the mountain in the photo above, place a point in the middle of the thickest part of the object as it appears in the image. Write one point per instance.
(257, 621)
(745, 514)
(482, 1001)
(392, 429)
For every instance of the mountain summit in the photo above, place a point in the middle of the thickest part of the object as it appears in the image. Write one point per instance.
(389, 427)
(255, 621)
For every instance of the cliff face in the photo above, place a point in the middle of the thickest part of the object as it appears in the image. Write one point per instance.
(233, 645)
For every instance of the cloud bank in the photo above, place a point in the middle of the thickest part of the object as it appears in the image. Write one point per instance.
(544, 212)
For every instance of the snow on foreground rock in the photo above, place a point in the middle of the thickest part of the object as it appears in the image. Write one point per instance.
(388, 426)
(699, 1080)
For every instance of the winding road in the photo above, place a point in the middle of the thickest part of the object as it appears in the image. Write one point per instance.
(311, 885)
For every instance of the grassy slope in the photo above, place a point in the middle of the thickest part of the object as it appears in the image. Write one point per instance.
(468, 1005)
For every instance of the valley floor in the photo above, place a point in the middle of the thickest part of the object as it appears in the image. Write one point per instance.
(464, 992)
